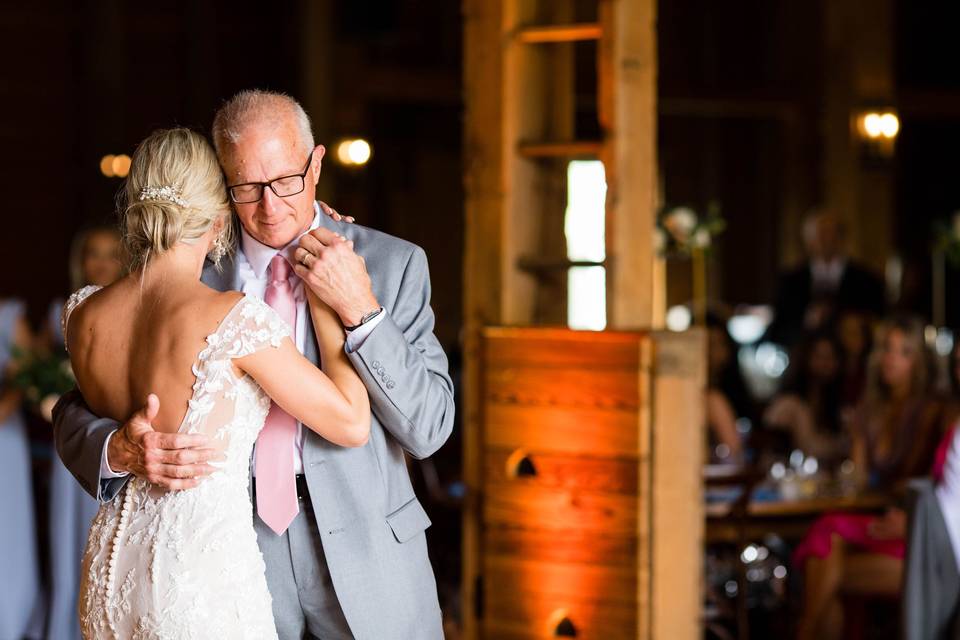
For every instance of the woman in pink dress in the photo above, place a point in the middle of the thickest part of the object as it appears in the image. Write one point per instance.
(895, 436)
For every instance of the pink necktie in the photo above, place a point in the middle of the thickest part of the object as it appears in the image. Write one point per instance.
(276, 483)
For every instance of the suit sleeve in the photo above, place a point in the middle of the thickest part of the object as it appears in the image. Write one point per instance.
(405, 369)
(80, 437)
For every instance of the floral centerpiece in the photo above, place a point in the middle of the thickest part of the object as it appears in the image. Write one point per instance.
(680, 230)
(682, 233)
(43, 377)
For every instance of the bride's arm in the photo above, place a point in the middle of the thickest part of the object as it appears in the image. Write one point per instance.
(333, 357)
(332, 402)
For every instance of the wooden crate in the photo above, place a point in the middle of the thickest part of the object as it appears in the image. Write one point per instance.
(566, 506)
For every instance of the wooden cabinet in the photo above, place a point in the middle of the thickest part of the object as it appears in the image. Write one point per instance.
(566, 511)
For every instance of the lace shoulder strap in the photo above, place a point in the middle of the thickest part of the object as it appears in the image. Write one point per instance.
(73, 302)
(250, 326)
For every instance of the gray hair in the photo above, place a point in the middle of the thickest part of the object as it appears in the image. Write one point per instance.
(261, 107)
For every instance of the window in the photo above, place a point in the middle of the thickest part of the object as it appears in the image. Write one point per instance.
(584, 227)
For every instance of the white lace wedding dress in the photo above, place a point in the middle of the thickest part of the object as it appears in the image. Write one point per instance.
(185, 564)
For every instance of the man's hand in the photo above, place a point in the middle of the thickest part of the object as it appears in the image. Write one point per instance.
(332, 213)
(170, 460)
(327, 263)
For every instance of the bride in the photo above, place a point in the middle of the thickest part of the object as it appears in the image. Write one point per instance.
(185, 564)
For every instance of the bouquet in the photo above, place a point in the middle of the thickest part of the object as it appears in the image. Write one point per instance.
(680, 230)
(43, 377)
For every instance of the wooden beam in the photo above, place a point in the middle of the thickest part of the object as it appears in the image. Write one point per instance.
(560, 33)
(679, 381)
(629, 108)
(483, 258)
(563, 149)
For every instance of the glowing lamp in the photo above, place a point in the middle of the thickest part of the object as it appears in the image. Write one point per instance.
(354, 152)
(878, 126)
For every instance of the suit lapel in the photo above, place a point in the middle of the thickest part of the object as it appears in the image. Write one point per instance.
(227, 278)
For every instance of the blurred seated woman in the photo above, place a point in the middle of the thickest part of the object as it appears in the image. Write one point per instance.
(94, 260)
(853, 332)
(896, 431)
(728, 399)
(808, 405)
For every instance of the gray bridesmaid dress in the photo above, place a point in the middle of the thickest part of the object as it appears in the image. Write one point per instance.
(20, 582)
(71, 512)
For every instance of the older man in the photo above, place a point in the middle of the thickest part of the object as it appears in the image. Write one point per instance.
(829, 283)
(341, 530)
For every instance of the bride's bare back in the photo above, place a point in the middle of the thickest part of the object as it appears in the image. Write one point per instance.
(128, 341)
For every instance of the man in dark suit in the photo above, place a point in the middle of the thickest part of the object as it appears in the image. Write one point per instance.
(826, 285)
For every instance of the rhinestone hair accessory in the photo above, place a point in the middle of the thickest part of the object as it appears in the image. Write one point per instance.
(167, 193)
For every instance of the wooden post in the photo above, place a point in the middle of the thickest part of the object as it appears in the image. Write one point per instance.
(679, 382)
(631, 159)
(484, 151)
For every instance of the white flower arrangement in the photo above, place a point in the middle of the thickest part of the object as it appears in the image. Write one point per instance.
(680, 230)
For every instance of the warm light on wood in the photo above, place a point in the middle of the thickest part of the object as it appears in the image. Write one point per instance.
(560, 33)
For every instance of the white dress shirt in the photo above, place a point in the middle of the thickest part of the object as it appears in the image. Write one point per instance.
(948, 494)
(253, 261)
(827, 274)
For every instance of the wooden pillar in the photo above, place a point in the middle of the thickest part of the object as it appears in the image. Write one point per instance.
(677, 530)
(484, 260)
(859, 75)
(629, 115)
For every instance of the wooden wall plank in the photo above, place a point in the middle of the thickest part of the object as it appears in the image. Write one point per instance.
(549, 347)
(597, 388)
(582, 473)
(603, 432)
(540, 508)
(576, 546)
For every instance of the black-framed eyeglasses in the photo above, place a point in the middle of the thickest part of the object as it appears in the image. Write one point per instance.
(284, 187)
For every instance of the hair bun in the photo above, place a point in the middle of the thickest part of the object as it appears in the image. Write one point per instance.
(174, 193)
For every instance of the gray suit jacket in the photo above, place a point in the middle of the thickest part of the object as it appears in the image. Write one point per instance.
(931, 583)
(370, 522)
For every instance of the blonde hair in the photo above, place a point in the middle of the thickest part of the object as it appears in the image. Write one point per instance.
(256, 106)
(182, 167)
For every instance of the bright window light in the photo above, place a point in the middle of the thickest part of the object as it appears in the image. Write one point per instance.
(584, 226)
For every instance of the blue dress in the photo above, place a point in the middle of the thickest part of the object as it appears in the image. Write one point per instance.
(71, 512)
(20, 583)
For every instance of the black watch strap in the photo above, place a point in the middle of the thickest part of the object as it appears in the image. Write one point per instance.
(365, 319)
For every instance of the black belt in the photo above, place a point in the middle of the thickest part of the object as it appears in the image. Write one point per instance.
(303, 492)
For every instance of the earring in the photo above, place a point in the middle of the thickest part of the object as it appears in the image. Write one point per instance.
(218, 250)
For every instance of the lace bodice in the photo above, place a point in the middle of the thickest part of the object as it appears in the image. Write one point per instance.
(178, 565)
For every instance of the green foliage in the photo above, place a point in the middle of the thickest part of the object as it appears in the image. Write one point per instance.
(40, 374)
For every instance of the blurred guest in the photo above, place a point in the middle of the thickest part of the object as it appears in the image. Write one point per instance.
(853, 330)
(94, 259)
(813, 295)
(728, 399)
(20, 585)
(808, 406)
(895, 436)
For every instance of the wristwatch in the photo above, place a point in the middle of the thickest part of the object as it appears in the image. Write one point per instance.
(365, 319)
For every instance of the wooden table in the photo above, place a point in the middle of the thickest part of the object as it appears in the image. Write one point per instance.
(789, 519)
